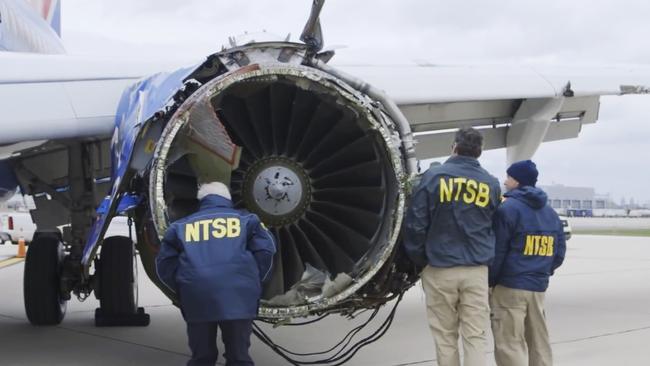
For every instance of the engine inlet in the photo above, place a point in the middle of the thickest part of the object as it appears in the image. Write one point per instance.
(312, 157)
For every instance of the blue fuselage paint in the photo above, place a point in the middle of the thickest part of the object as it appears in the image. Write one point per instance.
(137, 106)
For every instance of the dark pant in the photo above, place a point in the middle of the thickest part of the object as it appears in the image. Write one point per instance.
(235, 334)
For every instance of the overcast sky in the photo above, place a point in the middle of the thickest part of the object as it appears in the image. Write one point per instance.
(612, 156)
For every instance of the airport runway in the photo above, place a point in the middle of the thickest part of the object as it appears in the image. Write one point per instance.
(598, 308)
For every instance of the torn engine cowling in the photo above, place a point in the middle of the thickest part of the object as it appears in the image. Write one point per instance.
(321, 163)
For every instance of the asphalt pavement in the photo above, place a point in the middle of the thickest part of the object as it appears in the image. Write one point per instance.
(598, 309)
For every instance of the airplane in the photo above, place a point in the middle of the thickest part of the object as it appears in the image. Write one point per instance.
(326, 156)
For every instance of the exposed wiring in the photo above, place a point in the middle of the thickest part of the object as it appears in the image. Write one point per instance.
(345, 351)
(298, 324)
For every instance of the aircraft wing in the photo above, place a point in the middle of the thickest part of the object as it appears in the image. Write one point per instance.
(53, 97)
(63, 97)
(557, 100)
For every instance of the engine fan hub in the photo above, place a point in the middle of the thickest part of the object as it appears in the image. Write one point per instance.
(276, 189)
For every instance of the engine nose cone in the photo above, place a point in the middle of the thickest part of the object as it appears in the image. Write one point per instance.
(277, 190)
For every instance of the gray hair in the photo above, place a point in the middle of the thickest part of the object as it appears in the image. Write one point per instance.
(469, 142)
(217, 188)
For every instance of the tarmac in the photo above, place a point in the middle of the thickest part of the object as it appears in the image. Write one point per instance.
(598, 310)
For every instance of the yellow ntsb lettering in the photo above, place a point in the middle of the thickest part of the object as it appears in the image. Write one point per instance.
(483, 197)
(446, 190)
(540, 245)
(192, 232)
(467, 189)
(543, 245)
(234, 227)
(219, 226)
(470, 195)
(530, 244)
(549, 249)
(205, 224)
(460, 182)
(212, 229)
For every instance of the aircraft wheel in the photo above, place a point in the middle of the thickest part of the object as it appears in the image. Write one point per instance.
(118, 285)
(41, 281)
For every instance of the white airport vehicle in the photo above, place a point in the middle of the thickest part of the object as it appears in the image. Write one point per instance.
(639, 213)
(16, 225)
(567, 227)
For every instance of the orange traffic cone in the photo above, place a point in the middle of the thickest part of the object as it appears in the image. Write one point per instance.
(21, 248)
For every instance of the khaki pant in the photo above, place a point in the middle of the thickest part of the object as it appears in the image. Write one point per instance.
(457, 299)
(519, 328)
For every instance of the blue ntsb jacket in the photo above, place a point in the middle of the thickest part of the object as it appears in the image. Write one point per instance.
(216, 260)
(449, 220)
(530, 241)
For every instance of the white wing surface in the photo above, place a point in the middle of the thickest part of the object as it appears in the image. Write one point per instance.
(49, 97)
(515, 107)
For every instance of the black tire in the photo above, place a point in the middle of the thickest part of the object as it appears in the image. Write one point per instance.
(41, 282)
(118, 284)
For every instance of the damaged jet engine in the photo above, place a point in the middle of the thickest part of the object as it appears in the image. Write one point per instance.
(323, 165)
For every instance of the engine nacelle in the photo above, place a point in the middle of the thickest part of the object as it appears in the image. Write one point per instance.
(319, 162)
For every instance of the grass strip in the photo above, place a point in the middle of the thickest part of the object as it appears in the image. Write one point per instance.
(613, 231)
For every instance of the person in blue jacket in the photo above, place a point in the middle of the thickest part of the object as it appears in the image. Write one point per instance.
(530, 246)
(216, 260)
(448, 231)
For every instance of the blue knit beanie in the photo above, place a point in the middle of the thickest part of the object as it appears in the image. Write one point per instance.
(525, 172)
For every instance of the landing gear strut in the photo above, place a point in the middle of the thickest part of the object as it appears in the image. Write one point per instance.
(53, 267)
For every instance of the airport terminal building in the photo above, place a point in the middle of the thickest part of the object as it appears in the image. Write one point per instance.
(581, 201)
